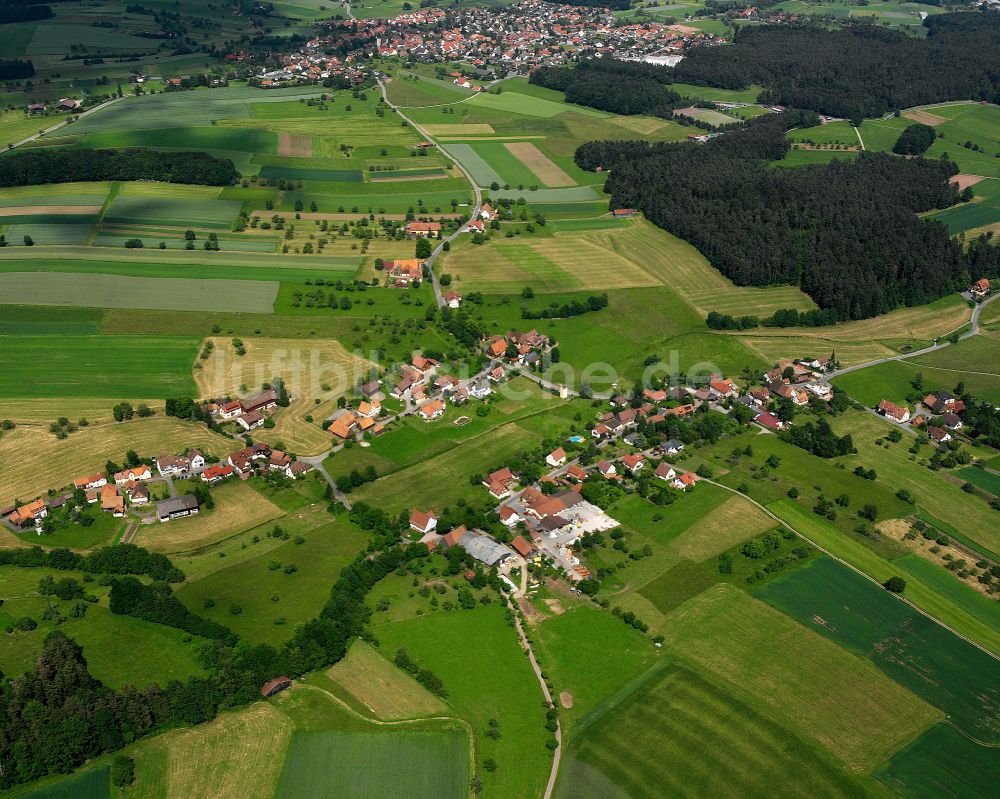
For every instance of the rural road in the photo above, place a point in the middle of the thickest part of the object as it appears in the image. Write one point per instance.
(856, 570)
(64, 122)
(474, 214)
(972, 331)
(526, 646)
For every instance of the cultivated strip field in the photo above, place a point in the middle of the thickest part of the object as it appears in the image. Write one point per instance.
(112, 291)
(815, 684)
(536, 161)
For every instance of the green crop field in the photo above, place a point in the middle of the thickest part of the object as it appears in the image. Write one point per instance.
(480, 169)
(190, 138)
(973, 361)
(206, 213)
(98, 366)
(94, 783)
(112, 291)
(52, 321)
(52, 230)
(477, 656)
(684, 732)
(988, 481)
(422, 765)
(915, 651)
(943, 763)
(815, 685)
(947, 585)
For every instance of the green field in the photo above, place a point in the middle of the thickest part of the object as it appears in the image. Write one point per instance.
(94, 783)
(424, 765)
(815, 685)
(916, 652)
(53, 321)
(477, 656)
(988, 481)
(948, 586)
(113, 291)
(98, 366)
(943, 763)
(182, 212)
(890, 381)
(683, 732)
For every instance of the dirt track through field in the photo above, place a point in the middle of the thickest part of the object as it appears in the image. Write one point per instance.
(50, 210)
(549, 173)
(295, 144)
(963, 181)
(924, 118)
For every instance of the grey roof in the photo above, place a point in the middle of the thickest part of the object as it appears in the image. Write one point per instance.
(176, 504)
(673, 443)
(483, 548)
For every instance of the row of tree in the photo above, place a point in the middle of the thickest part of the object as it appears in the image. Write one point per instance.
(858, 70)
(61, 166)
(16, 69)
(846, 233)
(116, 559)
(622, 87)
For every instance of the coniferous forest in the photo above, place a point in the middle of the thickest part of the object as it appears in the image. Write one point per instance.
(860, 70)
(847, 233)
(57, 166)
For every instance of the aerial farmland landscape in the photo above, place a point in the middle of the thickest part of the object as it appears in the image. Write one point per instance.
(522, 400)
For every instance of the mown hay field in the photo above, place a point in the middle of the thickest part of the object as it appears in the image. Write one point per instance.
(36, 460)
(700, 737)
(815, 685)
(914, 650)
(387, 691)
(239, 754)
(539, 164)
(238, 507)
(304, 366)
(115, 291)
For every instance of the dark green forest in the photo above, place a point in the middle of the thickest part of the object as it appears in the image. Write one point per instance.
(860, 70)
(62, 166)
(847, 233)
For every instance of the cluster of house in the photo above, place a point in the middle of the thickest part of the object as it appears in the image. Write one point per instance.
(310, 64)
(249, 412)
(521, 349)
(521, 37)
(478, 544)
(942, 405)
(67, 105)
(130, 487)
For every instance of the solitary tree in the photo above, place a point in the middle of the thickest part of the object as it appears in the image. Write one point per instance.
(895, 584)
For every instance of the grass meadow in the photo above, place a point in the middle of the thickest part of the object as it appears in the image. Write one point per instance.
(478, 658)
(916, 652)
(816, 686)
(684, 731)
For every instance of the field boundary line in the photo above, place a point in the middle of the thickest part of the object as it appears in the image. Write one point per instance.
(99, 219)
(403, 722)
(855, 569)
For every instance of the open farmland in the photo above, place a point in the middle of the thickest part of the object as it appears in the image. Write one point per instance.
(700, 737)
(388, 692)
(272, 602)
(238, 507)
(816, 686)
(932, 662)
(53, 463)
(98, 366)
(114, 291)
(943, 762)
(486, 675)
(305, 369)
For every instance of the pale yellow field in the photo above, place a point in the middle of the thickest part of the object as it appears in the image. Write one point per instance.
(295, 144)
(732, 522)
(643, 125)
(774, 349)
(471, 129)
(304, 366)
(35, 460)
(237, 508)
(173, 190)
(383, 688)
(547, 171)
(46, 410)
(239, 755)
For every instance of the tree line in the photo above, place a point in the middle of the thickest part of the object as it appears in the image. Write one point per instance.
(34, 167)
(58, 715)
(16, 69)
(846, 233)
(859, 70)
(622, 87)
(115, 559)
(16, 13)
